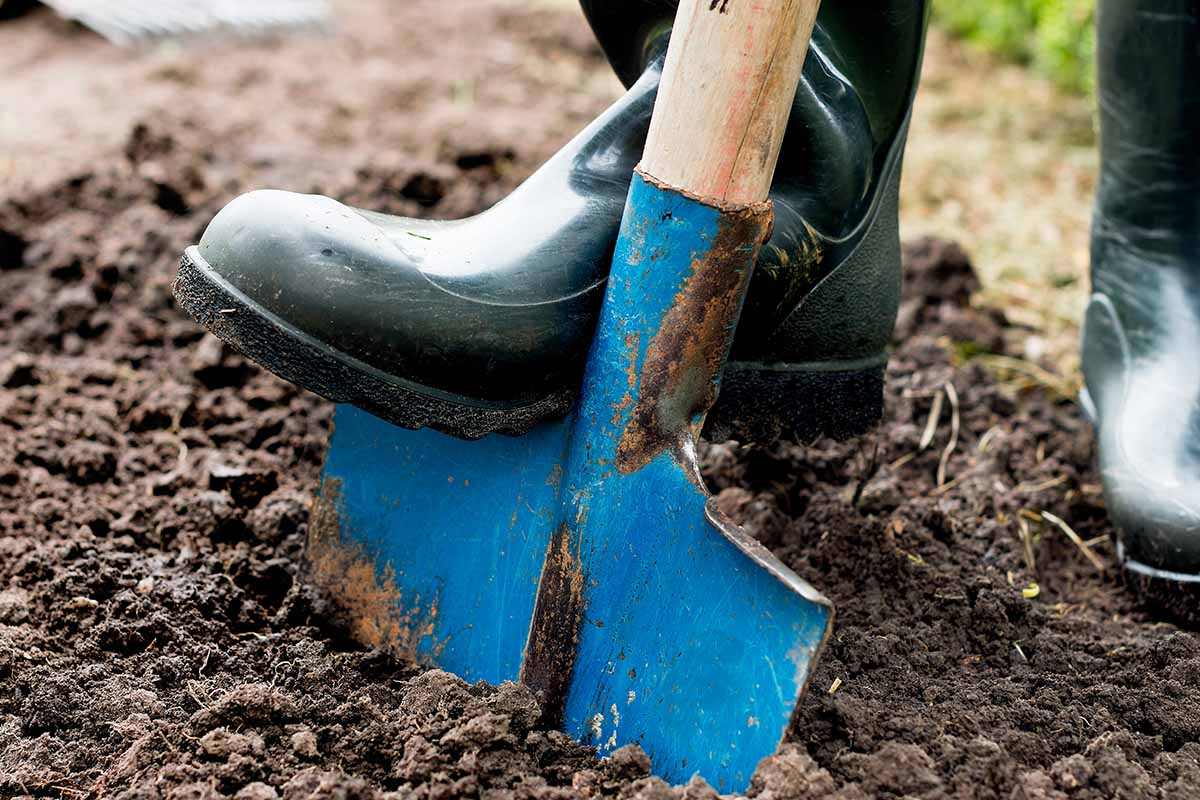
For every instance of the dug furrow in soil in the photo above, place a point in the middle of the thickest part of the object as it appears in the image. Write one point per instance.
(157, 636)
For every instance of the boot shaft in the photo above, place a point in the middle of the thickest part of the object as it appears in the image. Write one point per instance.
(1148, 199)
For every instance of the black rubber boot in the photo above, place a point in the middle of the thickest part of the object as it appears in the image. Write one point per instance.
(1141, 344)
(482, 325)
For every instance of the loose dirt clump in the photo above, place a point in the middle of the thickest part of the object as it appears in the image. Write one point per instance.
(158, 637)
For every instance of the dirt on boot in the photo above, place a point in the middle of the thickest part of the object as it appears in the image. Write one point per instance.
(157, 637)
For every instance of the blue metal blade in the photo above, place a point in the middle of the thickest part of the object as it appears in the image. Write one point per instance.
(696, 642)
(439, 542)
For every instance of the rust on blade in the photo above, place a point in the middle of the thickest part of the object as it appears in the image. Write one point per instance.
(683, 361)
(549, 661)
(379, 613)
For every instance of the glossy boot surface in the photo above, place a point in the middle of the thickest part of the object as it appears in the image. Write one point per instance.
(1141, 345)
(481, 325)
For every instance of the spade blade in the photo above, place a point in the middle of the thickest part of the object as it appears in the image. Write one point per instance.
(586, 558)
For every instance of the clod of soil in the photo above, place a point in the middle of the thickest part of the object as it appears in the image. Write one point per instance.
(157, 636)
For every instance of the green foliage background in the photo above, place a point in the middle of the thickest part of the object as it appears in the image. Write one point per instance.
(1055, 37)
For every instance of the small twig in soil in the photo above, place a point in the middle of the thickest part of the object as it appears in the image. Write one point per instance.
(1027, 545)
(1062, 387)
(916, 394)
(1076, 540)
(945, 487)
(1043, 486)
(872, 469)
(955, 421)
(1063, 609)
(986, 439)
(170, 746)
(195, 691)
(204, 666)
(935, 414)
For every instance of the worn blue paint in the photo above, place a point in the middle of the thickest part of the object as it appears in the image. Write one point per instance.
(463, 526)
(695, 642)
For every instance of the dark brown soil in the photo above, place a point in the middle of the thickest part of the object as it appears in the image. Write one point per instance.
(156, 636)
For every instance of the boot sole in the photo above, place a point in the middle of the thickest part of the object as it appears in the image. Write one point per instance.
(309, 363)
(758, 403)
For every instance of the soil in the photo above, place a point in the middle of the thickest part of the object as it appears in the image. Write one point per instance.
(157, 637)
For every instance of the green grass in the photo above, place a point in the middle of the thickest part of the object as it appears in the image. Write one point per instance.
(1055, 37)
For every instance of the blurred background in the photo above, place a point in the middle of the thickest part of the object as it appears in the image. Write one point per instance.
(1056, 37)
(1001, 156)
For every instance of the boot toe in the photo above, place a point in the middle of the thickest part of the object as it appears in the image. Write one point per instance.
(329, 273)
(1158, 542)
(1151, 478)
(278, 247)
(345, 303)
(1158, 520)
(1145, 403)
(1150, 469)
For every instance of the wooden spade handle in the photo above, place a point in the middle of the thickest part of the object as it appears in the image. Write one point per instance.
(728, 84)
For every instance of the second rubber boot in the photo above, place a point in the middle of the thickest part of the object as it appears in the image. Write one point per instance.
(481, 325)
(1141, 343)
